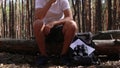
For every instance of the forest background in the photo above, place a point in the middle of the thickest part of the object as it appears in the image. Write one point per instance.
(17, 16)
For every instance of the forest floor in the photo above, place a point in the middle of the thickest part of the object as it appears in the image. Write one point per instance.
(8, 60)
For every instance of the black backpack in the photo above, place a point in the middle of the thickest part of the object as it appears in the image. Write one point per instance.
(79, 54)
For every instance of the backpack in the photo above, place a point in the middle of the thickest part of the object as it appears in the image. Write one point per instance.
(82, 52)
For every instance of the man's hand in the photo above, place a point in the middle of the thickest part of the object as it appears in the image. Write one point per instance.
(48, 27)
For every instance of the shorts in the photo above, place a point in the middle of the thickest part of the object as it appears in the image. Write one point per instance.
(55, 35)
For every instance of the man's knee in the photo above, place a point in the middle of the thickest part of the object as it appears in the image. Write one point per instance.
(73, 25)
(37, 24)
(70, 26)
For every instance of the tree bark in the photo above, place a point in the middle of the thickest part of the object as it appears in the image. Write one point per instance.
(110, 21)
(98, 18)
(23, 46)
(107, 47)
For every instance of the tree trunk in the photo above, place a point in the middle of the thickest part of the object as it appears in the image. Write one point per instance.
(4, 17)
(98, 16)
(109, 3)
(83, 15)
(114, 15)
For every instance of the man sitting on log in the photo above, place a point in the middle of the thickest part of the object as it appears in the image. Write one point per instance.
(50, 14)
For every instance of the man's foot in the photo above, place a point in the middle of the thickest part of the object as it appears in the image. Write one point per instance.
(42, 60)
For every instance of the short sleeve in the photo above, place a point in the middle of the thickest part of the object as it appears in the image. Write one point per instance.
(39, 3)
(64, 4)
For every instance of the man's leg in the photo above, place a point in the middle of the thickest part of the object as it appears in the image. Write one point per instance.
(38, 27)
(69, 30)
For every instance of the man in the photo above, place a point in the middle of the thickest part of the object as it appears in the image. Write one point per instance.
(49, 14)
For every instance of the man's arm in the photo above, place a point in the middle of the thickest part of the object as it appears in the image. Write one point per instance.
(41, 12)
(68, 16)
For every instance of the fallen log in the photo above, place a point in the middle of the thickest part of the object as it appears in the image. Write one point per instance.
(30, 46)
(23, 46)
(110, 34)
(18, 46)
(107, 47)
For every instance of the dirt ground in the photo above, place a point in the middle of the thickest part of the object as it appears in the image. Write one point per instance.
(8, 60)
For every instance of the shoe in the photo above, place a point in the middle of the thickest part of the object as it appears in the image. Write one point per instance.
(64, 60)
(42, 60)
